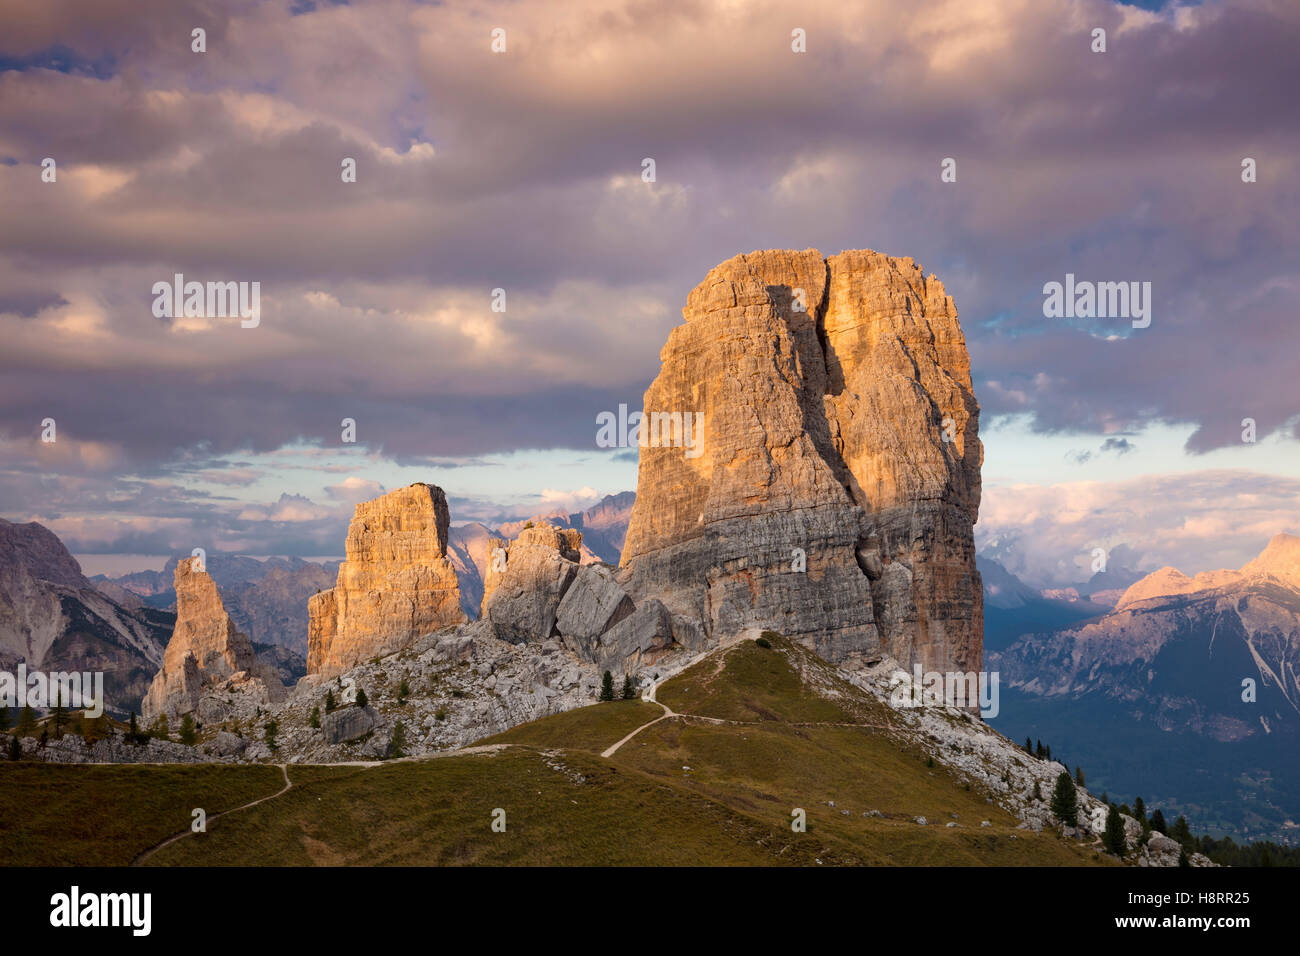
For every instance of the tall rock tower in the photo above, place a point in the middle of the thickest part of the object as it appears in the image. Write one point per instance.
(396, 584)
(830, 480)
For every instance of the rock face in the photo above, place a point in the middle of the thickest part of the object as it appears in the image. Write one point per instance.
(526, 580)
(830, 477)
(395, 585)
(205, 654)
(55, 620)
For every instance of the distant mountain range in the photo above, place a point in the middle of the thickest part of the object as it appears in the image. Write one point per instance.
(1198, 679)
(55, 619)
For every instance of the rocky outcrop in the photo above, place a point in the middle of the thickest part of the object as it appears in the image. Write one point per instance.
(810, 462)
(396, 584)
(206, 657)
(526, 580)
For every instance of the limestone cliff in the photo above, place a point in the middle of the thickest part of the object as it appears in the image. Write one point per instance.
(830, 477)
(205, 652)
(396, 584)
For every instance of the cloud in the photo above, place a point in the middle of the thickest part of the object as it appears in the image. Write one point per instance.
(1198, 521)
(522, 171)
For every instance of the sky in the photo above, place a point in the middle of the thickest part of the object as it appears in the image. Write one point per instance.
(522, 171)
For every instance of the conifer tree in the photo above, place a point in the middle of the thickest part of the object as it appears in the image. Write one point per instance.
(15, 749)
(629, 692)
(362, 700)
(4, 717)
(1038, 751)
(1113, 839)
(1029, 747)
(1078, 776)
(188, 734)
(329, 701)
(314, 720)
(1065, 800)
(1158, 822)
(398, 743)
(607, 686)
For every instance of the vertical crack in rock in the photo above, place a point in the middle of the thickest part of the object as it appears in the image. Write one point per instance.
(846, 431)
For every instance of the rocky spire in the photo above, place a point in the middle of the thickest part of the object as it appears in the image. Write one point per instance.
(205, 650)
(396, 584)
(829, 478)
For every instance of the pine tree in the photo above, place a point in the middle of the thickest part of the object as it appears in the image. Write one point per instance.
(1078, 776)
(396, 745)
(1048, 748)
(607, 686)
(314, 720)
(133, 734)
(1038, 751)
(629, 692)
(1182, 832)
(1113, 839)
(160, 728)
(1158, 822)
(272, 728)
(188, 734)
(26, 721)
(15, 749)
(4, 717)
(403, 691)
(1183, 859)
(362, 700)
(329, 701)
(1029, 747)
(1065, 800)
(1140, 813)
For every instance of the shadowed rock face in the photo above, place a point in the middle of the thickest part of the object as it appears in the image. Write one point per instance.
(834, 415)
(396, 584)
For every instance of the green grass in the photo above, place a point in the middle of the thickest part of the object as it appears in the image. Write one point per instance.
(587, 728)
(784, 745)
(574, 810)
(103, 815)
(750, 683)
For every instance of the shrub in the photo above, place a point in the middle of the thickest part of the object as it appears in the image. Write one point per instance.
(764, 643)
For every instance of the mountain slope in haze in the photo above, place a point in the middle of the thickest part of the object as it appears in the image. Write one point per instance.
(267, 600)
(55, 619)
(1013, 608)
(1200, 676)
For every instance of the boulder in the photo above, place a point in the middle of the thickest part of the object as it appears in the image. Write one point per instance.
(593, 603)
(348, 723)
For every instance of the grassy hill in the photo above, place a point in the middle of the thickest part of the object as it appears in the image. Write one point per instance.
(759, 732)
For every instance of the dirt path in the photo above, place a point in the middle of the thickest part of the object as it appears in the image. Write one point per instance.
(288, 785)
